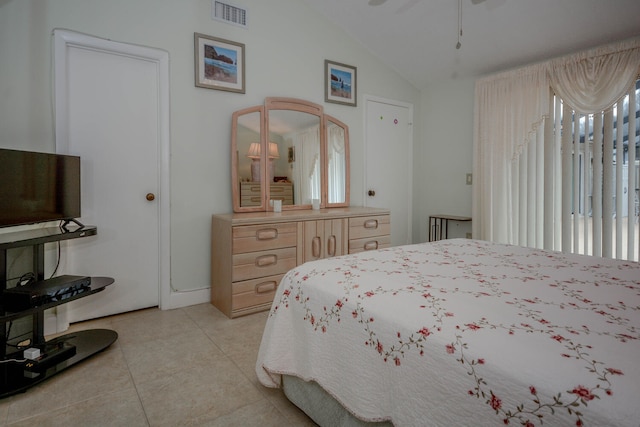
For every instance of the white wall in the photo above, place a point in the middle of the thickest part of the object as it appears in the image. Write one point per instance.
(286, 45)
(444, 157)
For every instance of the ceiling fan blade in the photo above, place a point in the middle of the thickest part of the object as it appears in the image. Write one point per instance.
(376, 2)
(408, 5)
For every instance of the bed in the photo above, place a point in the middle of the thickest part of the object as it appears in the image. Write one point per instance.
(460, 332)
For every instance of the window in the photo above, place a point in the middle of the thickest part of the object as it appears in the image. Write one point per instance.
(551, 176)
(600, 160)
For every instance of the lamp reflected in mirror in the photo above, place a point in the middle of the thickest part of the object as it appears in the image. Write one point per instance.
(254, 155)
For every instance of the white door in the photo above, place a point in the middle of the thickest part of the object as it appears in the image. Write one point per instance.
(108, 106)
(388, 164)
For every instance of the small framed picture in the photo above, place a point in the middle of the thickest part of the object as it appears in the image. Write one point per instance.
(291, 154)
(219, 64)
(340, 82)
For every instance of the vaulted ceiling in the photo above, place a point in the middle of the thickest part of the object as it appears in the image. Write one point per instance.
(418, 37)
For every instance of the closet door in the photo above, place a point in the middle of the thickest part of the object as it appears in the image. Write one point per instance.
(324, 239)
(335, 236)
(388, 163)
(313, 241)
(109, 107)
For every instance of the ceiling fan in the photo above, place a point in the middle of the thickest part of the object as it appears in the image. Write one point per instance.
(412, 3)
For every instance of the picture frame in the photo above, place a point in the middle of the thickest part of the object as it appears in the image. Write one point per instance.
(340, 83)
(291, 154)
(219, 63)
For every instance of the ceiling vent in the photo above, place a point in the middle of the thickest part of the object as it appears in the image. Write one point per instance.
(229, 13)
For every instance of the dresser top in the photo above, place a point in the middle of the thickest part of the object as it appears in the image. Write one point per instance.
(299, 215)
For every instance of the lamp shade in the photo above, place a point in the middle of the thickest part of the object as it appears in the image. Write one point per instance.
(273, 151)
(254, 151)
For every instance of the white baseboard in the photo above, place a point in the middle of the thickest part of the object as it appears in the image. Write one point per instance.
(186, 298)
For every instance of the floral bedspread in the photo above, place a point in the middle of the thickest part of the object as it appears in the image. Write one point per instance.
(463, 332)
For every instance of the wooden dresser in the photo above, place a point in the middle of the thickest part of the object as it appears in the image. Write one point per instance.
(250, 194)
(250, 252)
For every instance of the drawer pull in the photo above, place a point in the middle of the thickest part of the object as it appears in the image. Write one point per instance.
(316, 246)
(255, 199)
(266, 260)
(369, 246)
(331, 245)
(267, 234)
(371, 223)
(266, 287)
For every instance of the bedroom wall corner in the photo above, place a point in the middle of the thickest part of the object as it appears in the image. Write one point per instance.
(444, 156)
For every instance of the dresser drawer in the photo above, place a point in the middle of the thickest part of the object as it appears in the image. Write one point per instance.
(251, 251)
(250, 189)
(369, 243)
(251, 200)
(283, 190)
(263, 263)
(251, 194)
(369, 226)
(252, 238)
(286, 200)
(249, 293)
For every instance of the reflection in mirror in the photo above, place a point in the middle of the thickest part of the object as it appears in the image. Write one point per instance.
(299, 171)
(248, 159)
(336, 163)
(288, 150)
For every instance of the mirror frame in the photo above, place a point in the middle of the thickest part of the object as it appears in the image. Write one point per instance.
(325, 169)
(292, 104)
(235, 181)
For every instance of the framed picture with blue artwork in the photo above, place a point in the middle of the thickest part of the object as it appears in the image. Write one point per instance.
(340, 82)
(219, 63)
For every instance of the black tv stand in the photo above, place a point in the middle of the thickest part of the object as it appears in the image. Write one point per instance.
(58, 354)
(65, 224)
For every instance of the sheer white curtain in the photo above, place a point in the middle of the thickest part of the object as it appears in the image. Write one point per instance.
(336, 164)
(594, 80)
(306, 168)
(510, 109)
(522, 184)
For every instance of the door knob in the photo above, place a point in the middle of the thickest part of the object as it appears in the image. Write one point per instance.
(151, 197)
(371, 193)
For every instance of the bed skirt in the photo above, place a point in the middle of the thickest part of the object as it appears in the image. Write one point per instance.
(320, 406)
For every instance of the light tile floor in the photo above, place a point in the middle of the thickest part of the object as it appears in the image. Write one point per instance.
(185, 367)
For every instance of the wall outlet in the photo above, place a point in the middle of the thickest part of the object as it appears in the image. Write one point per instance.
(469, 179)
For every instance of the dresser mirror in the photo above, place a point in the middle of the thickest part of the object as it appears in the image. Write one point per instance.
(288, 151)
(246, 143)
(337, 137)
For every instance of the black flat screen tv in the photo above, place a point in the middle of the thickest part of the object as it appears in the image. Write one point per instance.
(38, 187)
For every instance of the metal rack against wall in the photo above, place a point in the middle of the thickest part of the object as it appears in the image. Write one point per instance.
(439, 225)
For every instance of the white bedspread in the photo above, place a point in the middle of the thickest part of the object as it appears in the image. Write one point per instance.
(463, 332)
